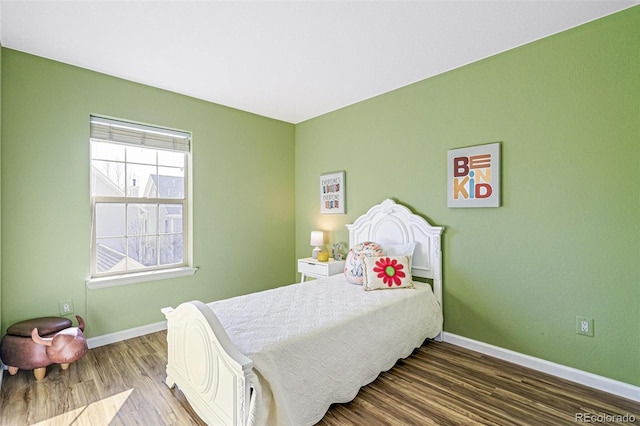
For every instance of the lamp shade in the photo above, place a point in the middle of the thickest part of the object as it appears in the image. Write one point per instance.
(317, 238)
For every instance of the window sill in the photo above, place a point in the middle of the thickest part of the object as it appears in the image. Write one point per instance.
(139, 277)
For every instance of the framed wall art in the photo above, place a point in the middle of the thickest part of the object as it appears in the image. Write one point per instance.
(332, 193)
(473, 176)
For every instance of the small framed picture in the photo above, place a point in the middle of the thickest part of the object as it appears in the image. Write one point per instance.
(332, 193)
(473, 176)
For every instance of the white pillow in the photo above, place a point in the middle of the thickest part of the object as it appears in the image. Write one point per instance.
(404, 249)
(387, 272)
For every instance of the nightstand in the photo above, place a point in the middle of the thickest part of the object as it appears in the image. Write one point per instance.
(310, 267)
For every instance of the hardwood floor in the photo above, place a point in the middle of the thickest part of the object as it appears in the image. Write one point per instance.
(440, 384)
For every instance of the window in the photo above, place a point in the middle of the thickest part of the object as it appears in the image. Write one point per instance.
(139, 198)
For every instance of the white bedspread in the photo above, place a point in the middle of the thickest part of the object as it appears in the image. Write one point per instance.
(316, 343)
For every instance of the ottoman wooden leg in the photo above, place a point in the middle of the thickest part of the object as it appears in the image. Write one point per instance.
(39, 373)
(13, 370)
(64, 366)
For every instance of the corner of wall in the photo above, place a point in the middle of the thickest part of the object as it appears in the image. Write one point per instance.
(1, 328)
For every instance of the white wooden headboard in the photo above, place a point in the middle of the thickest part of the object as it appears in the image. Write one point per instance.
(391, 223)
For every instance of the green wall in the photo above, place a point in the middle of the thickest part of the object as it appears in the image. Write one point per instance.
(1, 329)
(243, 188)
(566, 240)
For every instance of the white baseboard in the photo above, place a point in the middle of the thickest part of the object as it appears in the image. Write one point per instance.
(118, 336)
(605, 384)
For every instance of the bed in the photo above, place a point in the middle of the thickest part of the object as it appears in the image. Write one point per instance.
(282, 356)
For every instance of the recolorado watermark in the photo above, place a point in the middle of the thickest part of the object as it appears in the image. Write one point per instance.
(604, 418)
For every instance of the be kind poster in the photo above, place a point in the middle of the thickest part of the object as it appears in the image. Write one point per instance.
(474, 176)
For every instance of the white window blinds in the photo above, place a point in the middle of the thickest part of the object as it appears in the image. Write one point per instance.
(106, 129)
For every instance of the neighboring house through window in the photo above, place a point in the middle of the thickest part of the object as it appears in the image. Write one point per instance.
(139, 198)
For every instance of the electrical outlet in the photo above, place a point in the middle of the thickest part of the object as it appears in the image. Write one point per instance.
(584, 326)
(66, 307)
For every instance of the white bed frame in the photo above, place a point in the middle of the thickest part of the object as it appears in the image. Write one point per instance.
(391, 223)
(210, 371)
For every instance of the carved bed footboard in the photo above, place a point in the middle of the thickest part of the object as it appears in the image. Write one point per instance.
(209, 370)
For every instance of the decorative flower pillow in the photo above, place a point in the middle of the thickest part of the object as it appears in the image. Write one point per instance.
(354, 266)
(387, 272)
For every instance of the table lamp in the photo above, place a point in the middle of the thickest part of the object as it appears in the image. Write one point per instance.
(317, 239)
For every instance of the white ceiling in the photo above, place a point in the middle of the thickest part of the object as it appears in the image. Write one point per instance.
(289, 60)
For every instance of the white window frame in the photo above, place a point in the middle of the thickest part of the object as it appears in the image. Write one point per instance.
(127, 133)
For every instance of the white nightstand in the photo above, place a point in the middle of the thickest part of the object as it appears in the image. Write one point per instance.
(313, 268)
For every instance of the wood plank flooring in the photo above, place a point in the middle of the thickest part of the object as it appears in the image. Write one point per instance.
(440, 384)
